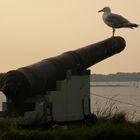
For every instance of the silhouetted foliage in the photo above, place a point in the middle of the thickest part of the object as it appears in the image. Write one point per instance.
(1, 76)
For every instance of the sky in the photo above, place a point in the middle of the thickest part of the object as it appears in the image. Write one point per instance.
(32, 30)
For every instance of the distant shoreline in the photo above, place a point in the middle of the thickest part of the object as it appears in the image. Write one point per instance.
(117, 77)
(109, 85)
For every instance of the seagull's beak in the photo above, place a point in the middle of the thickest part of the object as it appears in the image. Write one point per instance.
(100, 11)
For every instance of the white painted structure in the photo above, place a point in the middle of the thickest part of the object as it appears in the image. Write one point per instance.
(70, 101)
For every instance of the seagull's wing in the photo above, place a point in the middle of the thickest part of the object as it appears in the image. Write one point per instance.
(116, 21)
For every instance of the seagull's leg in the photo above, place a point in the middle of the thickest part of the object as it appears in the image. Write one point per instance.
(113, 31)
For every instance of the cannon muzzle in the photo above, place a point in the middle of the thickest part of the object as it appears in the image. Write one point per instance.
(40, 77)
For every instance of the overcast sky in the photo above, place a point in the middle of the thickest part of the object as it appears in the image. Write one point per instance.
(32, 30)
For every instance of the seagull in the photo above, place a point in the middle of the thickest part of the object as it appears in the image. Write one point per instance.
(116, 21)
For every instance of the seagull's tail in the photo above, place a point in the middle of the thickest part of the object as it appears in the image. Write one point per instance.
(132, 25)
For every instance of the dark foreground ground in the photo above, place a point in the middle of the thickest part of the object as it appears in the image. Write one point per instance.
(115, 127)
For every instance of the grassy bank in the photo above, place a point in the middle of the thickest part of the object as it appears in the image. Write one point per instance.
(114, 127)
(108, 124)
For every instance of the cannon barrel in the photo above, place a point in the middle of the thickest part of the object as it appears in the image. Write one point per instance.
(37, 78)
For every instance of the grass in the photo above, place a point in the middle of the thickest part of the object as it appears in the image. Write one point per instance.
(103, 129)
(107, 124)
(114, 127)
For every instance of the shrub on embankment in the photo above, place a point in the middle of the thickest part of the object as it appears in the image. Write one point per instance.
(115, 127)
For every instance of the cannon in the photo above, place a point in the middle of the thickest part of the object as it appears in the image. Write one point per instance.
(23, 83)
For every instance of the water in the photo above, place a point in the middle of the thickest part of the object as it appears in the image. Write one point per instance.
(125, 96)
